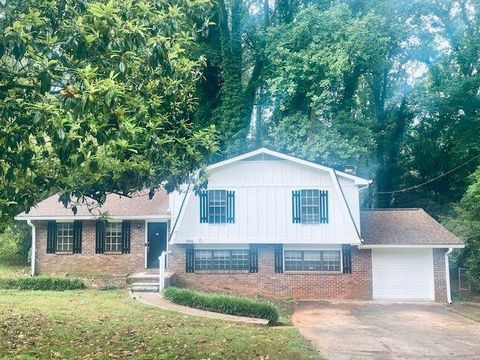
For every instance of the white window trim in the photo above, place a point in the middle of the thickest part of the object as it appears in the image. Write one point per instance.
(57, 250)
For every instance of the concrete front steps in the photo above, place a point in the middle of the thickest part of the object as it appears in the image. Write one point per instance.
(146, 281)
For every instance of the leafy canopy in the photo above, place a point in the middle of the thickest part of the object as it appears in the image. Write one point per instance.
(97, 97)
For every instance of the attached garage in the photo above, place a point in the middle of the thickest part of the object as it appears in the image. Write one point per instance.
(409, 254)
(403, 274)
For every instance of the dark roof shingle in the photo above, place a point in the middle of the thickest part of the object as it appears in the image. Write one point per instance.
(137, 205)
(404, 227)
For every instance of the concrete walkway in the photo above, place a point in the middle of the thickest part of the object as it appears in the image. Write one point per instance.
(156, 299)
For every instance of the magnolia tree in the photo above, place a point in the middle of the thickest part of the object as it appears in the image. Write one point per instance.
(96, 97)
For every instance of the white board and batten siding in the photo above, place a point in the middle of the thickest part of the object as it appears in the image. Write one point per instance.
(403, 274)
(263, 206)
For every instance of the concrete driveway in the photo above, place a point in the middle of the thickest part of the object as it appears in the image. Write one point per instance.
(371, 330)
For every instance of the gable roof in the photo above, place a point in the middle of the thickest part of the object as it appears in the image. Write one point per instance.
(138, 206)
(270, 153)
(404, 228)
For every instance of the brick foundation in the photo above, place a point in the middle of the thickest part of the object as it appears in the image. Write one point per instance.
(357, 285)
(439, 275)
(89, 263)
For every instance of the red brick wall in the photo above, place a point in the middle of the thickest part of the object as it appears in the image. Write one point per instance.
(357, 285)
(439, 275)
(89, 263)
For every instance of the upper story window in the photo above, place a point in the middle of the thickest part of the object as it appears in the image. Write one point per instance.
(113, 236)
(325, 260)
(310, 206)
(65, 237)
(217, 206)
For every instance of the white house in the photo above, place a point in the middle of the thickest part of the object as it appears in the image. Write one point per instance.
(268, 223)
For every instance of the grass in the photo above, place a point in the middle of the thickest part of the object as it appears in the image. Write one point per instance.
(108, 324)
(13, 271)
(469, 310)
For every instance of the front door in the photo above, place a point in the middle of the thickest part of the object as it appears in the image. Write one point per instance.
(156, 242)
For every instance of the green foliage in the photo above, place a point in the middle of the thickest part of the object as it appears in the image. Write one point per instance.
(15, 243)
(97, 97)
(44, 283)
(465, 222)
(223, 303)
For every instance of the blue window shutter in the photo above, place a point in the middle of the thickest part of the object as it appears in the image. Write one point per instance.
(347, 259)
(324, 206)
(51, 237)
(100, 228)
(190, 259)
(77, 237)
(253, 259)
(296, 206)
(278, 259)
(126, 237)
(230, 206)
(204, 206)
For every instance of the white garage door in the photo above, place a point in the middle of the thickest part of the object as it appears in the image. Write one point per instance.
(405, 274)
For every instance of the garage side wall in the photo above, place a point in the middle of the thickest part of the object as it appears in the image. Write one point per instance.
(357, 285)
(439, 275)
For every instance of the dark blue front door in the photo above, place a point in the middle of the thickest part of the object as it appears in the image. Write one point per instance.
(157, 242)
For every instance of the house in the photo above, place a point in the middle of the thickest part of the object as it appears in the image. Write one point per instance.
(268, 223)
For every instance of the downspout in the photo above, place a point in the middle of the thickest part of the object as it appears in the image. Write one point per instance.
(447, 276)
(33, 249)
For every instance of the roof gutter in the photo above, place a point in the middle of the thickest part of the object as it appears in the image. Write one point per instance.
(386, 246)
(33, 248)
(92, 217)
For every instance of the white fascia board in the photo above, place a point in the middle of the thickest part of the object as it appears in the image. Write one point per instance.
(457, 246)
(92, 217)
(357, 180)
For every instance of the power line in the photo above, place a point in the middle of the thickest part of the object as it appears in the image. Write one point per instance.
(429, 181)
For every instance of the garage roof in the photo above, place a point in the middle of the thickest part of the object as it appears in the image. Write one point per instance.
(138, 206)
(404, 227)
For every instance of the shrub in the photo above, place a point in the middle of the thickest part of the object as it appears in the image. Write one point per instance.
(225, 304)
(14, 244)
(42, 283)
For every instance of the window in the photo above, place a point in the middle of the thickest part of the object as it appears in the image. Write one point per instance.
(217, 206)
(222, 259)
(325, 260)
(113, 236)
(310, 206)
(65, 237)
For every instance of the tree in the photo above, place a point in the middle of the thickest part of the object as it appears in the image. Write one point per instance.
(97, 97)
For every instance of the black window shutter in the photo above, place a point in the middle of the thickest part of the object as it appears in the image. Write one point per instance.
(347, 259)
(125, 237)
(253, 257)
(51, 237)
(296, 206)
(190, 259)
(279, 259)
(324, 206)
(77, 237)
(204, 206)
(230, 206)
(100, 237)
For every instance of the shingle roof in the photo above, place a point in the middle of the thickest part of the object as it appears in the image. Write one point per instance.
(139, 205)
(404, 227)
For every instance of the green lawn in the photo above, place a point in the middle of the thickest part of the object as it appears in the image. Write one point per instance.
(13, 270)
(108, 324)
(469, 310)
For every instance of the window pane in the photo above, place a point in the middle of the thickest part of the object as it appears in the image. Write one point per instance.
(328, 260)
(310, 205)
(217, 206)
(65, 237)
(331, 261)
(222, 259)
(113, 237)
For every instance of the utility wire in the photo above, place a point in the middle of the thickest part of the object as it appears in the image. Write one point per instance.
(431, 180)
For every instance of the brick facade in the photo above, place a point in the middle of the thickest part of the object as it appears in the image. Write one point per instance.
(439, 275)
(89, 263)
(357, 285)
